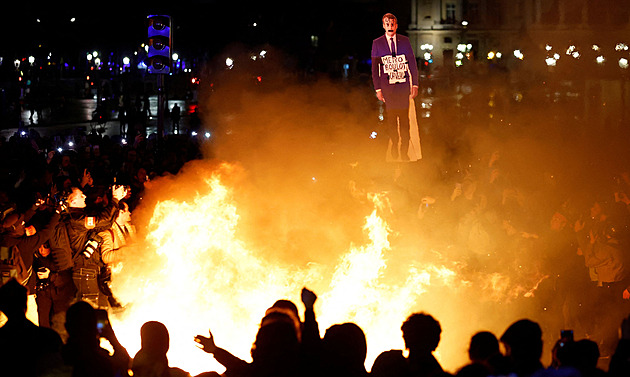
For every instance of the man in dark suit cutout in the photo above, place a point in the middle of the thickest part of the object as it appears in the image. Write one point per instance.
(395, 78)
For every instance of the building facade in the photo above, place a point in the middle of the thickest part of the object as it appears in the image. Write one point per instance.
(447, 31)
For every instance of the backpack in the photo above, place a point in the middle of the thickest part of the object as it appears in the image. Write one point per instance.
(12, 266)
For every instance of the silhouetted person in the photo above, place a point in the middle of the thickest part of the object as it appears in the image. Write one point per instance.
(275, 351)
(345, 349)
(82, 351)
(390, 363)
(585, 357)
(620, 360)
(421, 333)
(485, 356)
(175, 117)
(25, 349)
(151, 360)
(523, 345)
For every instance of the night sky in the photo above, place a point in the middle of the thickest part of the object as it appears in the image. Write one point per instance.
(344, 27)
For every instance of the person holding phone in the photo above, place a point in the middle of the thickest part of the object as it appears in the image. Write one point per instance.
(86, 326)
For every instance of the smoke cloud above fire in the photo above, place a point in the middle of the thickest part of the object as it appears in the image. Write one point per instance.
(294, 191)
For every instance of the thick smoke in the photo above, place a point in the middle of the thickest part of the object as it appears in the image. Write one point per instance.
(306, 166)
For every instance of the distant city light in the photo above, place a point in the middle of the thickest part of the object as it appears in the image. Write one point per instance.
(499, 55)
(600, 59)
(548, 47)
(126, 60)
(491, 55)
(229, 63)
(427, 46)
(556, 56)
(551, 62)
(595, 48)
(175, 56)
(73, 19)
(31, 59)
(427, 56)
(621, 47)
(207, 135)
(263, 53)
(518, 54)
(623, 63)
(464, 23)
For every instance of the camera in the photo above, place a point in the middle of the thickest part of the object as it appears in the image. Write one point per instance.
(102, 320)
(42, 284)
(92, 244)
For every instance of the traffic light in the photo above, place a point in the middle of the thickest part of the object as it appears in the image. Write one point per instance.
(159, 54)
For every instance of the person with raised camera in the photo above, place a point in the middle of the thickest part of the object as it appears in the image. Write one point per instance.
(76, 240)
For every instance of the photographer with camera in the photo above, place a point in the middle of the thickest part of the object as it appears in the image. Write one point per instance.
(52, 296)
(18, 243)
(76, 240)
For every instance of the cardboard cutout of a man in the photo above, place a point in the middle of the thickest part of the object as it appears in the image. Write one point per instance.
(395, 77)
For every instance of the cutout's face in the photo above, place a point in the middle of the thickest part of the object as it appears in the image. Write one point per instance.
(390, 25)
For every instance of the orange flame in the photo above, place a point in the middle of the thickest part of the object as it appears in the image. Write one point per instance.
(192, 272)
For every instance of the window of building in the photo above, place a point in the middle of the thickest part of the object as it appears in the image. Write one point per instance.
(450, 12)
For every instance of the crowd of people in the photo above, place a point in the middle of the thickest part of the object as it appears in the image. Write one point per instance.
(287, 346)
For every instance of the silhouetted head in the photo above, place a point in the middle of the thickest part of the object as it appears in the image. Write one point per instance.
(421, 332)
(389, 363)
(288, 309)
(586, 355)
(81, 321)
(345, 345)
(13, 296)
(276, 340)
(154, 337)
(523, 340)
(483, 345)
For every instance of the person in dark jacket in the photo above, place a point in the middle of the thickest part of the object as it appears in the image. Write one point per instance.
(75, 241)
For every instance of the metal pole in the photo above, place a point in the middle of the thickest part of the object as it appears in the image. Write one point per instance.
(160, 107)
